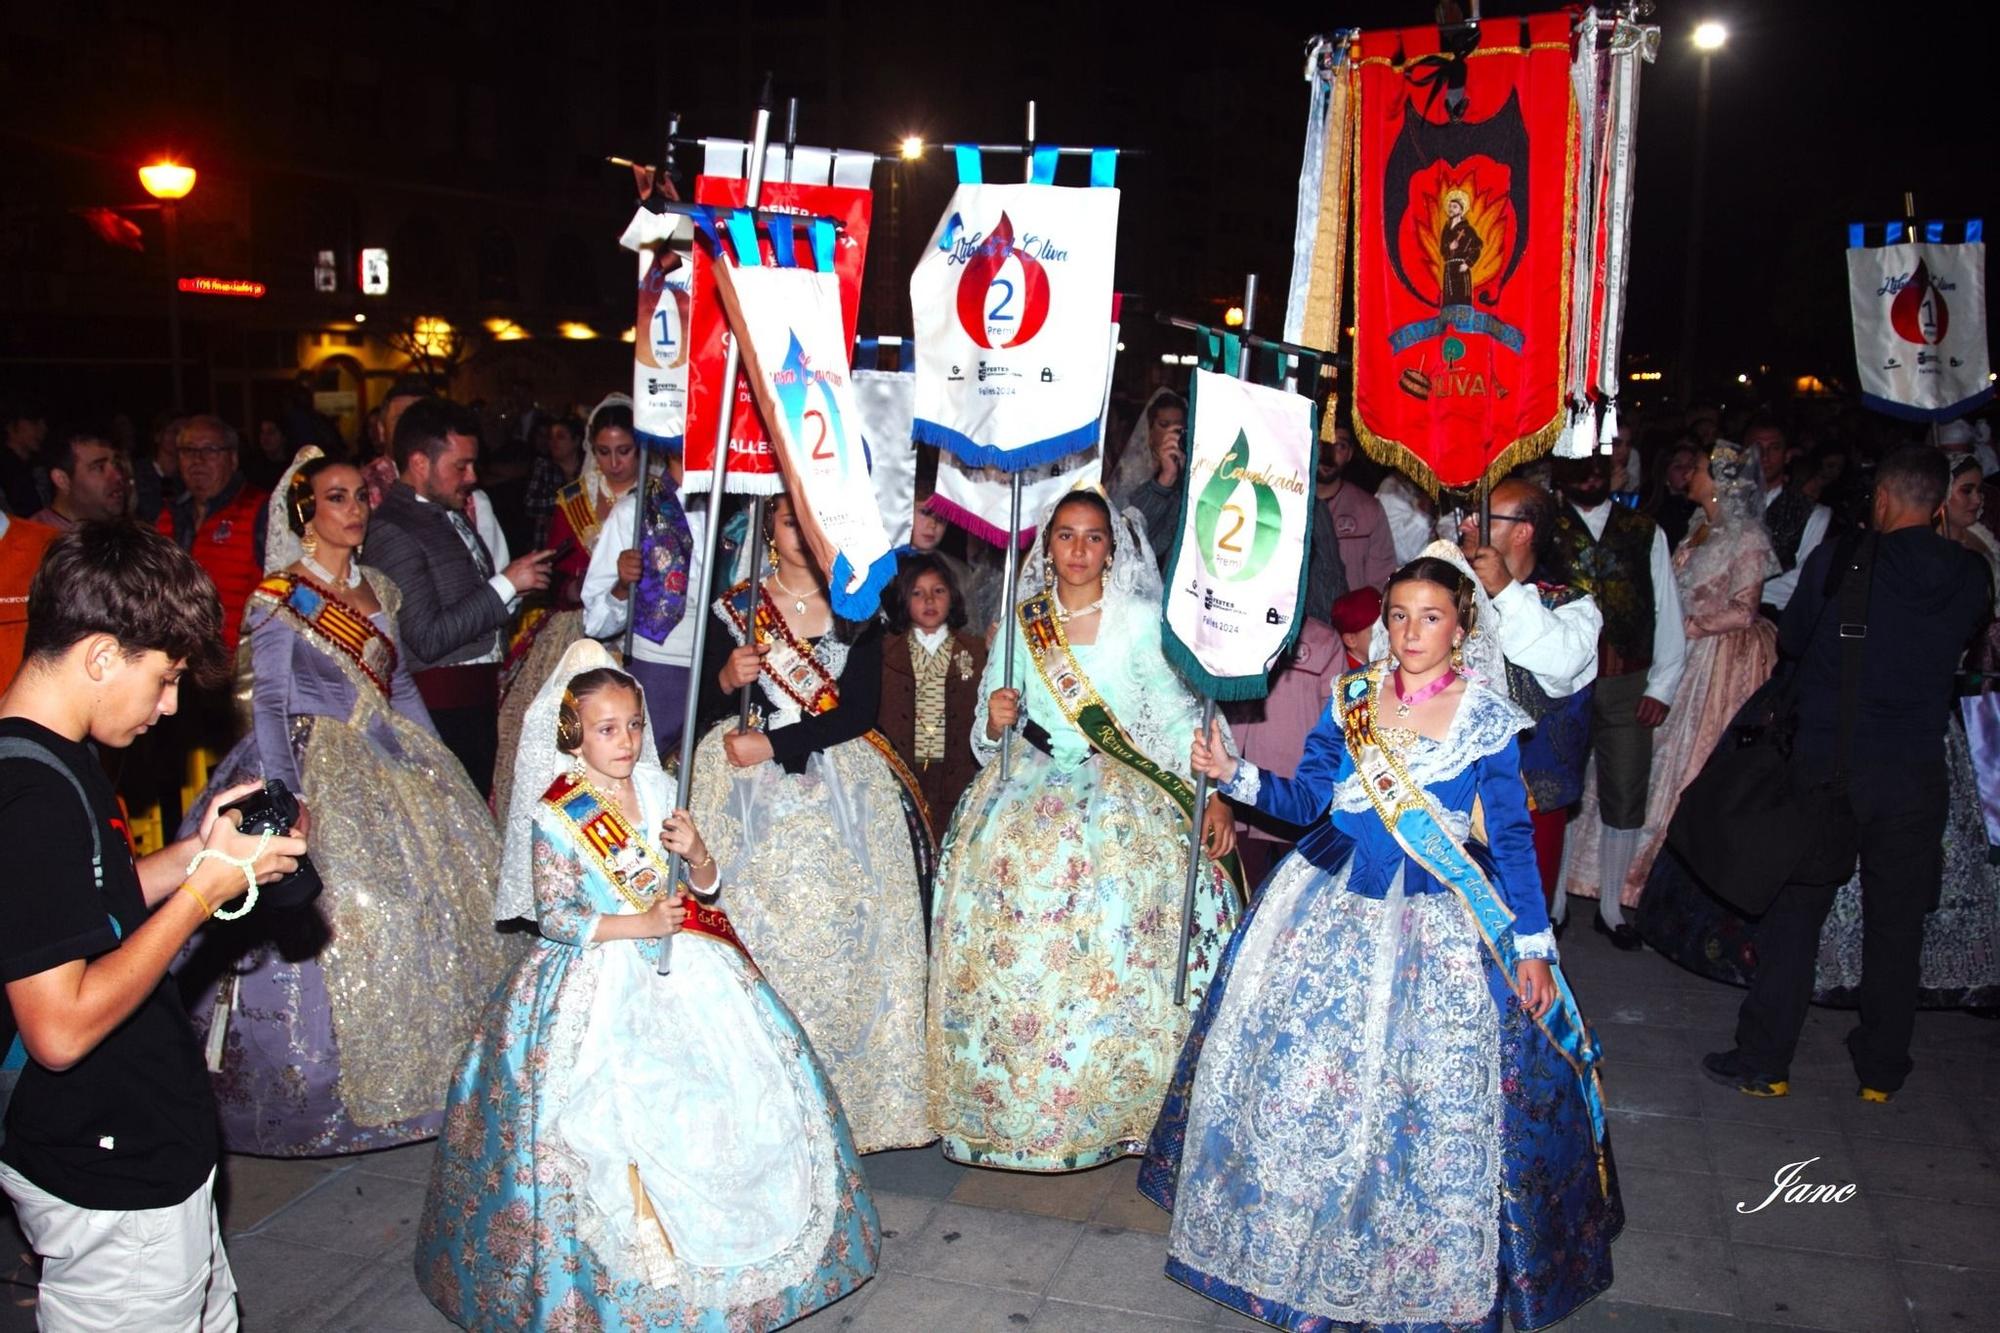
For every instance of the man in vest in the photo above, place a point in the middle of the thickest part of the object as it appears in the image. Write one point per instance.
(1548, 634)
(1797, 525)
(220, 520)
(1619, 558)
(456, 602)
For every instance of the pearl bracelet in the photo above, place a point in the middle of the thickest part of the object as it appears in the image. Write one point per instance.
(242, 863)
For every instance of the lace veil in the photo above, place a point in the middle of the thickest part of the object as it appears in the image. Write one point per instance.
(1738, 473)
(282, 546)
(537, 763)
(1481, 649)
(1135, 463)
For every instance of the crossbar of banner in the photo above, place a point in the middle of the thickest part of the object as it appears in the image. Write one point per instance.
(1207, 704)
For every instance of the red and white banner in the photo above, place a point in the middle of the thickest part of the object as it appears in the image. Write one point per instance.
(753, 469)
(1011, 302)
(1920, 319)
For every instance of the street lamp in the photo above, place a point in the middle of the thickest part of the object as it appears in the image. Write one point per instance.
(169, 182)
(1708, 39)
(912, 147)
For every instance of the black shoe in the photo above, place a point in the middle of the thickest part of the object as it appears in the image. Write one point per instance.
(1622, 936)
(1726, 1068)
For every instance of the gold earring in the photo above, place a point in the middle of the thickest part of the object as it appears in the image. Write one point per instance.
(1457, 658)
(309, 540)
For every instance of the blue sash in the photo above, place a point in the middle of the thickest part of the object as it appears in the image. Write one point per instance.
(1411, 815)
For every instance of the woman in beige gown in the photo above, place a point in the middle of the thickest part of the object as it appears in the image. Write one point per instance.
(1720, 568)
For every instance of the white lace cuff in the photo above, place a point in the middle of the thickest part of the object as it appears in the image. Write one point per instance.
(1244, 785)
(1540, 945)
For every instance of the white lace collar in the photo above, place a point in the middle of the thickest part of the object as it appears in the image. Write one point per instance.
(1483, 725)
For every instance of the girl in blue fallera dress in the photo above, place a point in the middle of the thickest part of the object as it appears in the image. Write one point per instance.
(1387, 1113)
(622, 1147)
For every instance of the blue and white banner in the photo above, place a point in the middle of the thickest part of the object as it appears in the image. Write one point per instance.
(1920, 318)
(664, 242)
(1011, 300)
(789, 325)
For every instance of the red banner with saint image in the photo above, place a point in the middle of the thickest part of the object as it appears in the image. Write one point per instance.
(1464, 216)
(753, 466)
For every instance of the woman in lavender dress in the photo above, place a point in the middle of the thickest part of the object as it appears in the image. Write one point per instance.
(335, 1028)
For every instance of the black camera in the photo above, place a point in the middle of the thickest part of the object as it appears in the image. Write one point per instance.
(273, 809)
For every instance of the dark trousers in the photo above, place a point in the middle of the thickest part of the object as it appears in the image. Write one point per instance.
(1892, 817)
(473, 735)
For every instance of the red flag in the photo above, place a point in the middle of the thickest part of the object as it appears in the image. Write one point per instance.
(1463, 222)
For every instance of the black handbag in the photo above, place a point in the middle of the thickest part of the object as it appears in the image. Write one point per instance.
(1745, 824)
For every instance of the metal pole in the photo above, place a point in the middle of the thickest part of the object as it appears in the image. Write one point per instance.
(1691, 281)
(1207, 716)
(662, 183)
(172, 218)
(759, 503)
(1010, 571)
(711, 534)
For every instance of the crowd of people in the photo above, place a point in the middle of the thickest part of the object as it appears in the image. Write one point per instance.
(933, 893)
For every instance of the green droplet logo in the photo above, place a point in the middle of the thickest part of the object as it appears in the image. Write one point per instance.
(1229, 553)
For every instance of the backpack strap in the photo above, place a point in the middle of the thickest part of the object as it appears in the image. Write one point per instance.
(14, 1055)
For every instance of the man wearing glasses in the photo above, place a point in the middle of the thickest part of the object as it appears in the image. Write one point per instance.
(1548, 634)
(220, 521)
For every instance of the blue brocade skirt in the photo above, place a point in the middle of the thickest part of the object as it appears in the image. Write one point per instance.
(1366, 1130)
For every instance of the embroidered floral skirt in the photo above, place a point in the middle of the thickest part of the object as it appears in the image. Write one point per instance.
(1366, 1129)
(629, 1150)
(819, 879)
(1053, 1027)
(344, 1018)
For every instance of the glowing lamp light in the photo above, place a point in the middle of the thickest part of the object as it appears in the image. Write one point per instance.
(505, 330)
(631, 334)
(575, 331)
(433, 335)
(1709, 36)
(1233, 316)
(1644, 376)
(1742, 379)
(360, 318)
(912, 147)
(166, 179)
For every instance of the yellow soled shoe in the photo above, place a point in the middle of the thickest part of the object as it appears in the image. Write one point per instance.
(1726, 1068)
(1869, 1094)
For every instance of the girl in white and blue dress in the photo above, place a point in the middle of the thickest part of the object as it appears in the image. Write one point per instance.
(626, 1148)
(1387, 1111)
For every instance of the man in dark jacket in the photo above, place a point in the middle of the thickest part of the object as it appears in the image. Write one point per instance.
(456, 606)
(1926, 598)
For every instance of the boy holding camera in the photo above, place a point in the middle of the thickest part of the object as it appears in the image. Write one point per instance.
(111, 1143)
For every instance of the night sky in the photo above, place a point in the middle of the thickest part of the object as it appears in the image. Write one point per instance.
(1823, 113)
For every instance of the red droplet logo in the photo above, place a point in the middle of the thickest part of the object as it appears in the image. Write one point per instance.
(1919, 314)
(992, 309)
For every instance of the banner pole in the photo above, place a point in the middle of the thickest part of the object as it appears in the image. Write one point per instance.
(1207, 716)
(1011, 570)
(758, 503)
(712, 531)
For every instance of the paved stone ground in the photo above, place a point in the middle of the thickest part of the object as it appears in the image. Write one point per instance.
(326, 1245)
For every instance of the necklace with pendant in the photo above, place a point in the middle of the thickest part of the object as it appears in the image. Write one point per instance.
(1063, 613)
(798, 598)
(1405, 702)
